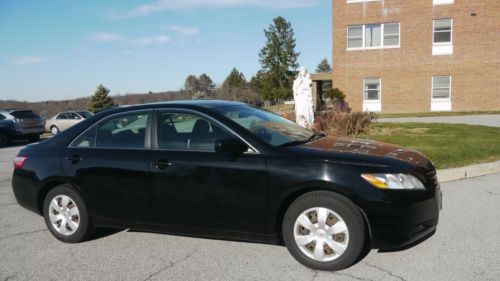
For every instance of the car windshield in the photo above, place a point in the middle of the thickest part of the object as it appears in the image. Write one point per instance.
(267, 126)
(85, 114)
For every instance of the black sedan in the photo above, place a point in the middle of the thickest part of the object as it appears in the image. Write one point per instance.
(227, 170)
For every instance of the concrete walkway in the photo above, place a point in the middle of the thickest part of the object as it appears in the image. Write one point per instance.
(492, 120)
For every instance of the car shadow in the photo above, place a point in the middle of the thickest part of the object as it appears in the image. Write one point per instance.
(410, 245)
(103, 232)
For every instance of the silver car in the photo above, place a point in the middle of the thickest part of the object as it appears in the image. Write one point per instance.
(64, 120)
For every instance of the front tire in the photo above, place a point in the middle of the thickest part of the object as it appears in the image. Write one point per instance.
(54, 130)
(66, 215)
(324, 230)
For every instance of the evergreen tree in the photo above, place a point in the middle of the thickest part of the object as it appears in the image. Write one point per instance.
(234, 84)
(324, 66)
(279, 60)
(205, 84)
(201, 84)
(100, 100)
(328, 91)
(235, 79)
(191, 84)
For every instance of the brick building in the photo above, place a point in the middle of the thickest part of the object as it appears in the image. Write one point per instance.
(418, 55)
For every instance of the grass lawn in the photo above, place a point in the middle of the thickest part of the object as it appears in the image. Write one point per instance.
(432, 114)
(278, 108)
(447, 145)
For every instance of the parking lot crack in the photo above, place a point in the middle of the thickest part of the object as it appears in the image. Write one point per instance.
(353, 276)
(492, 193)
(170, 265)
(314, 275)
(10, 277)
(23, 233)
(386, 271)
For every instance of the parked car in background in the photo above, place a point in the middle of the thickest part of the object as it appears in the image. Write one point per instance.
(20, 124)
(228, 170)
(64, 120)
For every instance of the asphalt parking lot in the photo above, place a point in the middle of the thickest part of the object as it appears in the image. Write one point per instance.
(466, 247)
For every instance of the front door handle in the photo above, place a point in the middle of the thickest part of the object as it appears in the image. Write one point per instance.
(161, 164)
(73, 159)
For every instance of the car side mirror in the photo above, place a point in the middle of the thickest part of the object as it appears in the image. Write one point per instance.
(233, 146)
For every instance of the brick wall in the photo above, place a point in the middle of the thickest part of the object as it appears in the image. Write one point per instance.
(406, 72)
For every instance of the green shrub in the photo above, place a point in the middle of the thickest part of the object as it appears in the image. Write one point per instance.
(334, 94)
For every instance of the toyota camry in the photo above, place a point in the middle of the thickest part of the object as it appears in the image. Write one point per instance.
(227, 170)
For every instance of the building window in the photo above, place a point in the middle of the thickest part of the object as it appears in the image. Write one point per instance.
(442, 37)
(441, 93)
(442, 2)
(355, 36)
(441, 87)
(372, 89)
(373, 36)
(372, 95)
(391, 34)
(442, 31)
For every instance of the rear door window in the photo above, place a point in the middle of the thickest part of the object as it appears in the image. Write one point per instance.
(87, 140)
(85, 114)
(62, 116)
(73, 116)
(127, 131)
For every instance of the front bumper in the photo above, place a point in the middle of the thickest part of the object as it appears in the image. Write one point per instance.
(394, 227)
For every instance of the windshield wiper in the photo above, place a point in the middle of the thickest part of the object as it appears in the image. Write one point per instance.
(315, 136)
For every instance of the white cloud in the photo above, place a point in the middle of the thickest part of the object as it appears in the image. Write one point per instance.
(172, 5)
(144, 41)
(160, 39)
(23, 60)
(188, 31)
(107, 37)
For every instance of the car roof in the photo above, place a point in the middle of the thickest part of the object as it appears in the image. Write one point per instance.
(207, 104)
(10, 110)
(201, 103)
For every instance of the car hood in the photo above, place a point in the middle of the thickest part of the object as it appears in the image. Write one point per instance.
(364, 147)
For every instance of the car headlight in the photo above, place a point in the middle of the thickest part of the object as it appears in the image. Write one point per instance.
(394, 181)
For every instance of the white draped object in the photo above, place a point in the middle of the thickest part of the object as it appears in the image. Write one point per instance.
(302, 93)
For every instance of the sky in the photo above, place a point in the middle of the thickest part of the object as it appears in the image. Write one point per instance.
(63, 49)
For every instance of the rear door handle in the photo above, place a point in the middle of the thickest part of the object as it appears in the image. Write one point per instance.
(161, 164)
(73, 159)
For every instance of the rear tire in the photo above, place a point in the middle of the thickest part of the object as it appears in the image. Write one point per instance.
(331, 221)
(66, 215)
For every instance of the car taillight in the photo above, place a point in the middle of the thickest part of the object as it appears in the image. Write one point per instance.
(19, 161)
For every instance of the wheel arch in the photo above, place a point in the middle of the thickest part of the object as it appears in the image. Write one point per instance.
(290, 198)
(48, 186)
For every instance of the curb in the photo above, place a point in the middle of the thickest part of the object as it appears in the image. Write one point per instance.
(466, 172)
